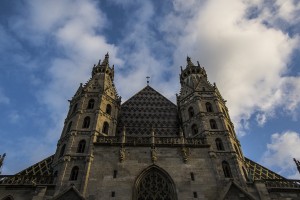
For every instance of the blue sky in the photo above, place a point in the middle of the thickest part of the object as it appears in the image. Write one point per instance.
(249, 48)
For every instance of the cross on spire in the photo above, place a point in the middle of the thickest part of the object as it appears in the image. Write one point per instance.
(148, 80)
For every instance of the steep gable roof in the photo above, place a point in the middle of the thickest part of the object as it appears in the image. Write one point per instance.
(146, 110)
(41, 168)
(259, 172)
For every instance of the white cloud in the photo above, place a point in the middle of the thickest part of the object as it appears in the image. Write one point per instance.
(281, 151)
(246, 57)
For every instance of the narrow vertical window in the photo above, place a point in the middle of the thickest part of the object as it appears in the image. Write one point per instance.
(209, 107)
(192, 176)
(86, 122)
(74, 173)
(213, 124)
(115, 173)
(219, 144)
(191, 112)
(105, 128)
(91, 104)
(62, 150)
(226, 169)
(113, 194)
(195, 194)
(81, 146)
(108, 109)
(194, 129)
(69, 126)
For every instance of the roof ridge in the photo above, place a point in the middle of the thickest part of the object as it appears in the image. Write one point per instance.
(148, 86)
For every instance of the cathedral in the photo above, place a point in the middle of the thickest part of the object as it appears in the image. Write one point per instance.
(147, 148)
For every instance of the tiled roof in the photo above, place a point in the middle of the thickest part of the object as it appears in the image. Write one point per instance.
(259, 172)
(146, 110)
(41, 168)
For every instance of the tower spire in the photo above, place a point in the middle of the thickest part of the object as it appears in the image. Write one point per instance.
(103, 67)
(106, 60)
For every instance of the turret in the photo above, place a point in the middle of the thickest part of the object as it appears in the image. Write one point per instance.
(203, 113)
(93, 111)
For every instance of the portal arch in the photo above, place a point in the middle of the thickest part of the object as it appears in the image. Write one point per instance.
(154, 183)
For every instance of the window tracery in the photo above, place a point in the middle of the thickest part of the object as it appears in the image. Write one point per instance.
(155, 185)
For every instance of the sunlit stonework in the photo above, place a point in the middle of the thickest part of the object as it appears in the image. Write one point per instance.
(147, 148)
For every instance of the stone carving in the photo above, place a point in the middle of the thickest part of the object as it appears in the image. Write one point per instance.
(153, 154)
(185, 154)
(122, 154)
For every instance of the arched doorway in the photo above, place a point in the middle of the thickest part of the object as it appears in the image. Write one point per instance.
(154, 184)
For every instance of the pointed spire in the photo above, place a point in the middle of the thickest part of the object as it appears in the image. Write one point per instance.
(189, 62)
(106, 60)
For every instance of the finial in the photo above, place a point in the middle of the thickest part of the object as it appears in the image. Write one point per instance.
(188, 58)
(297, 164)
(124, 135)
(198, 63)
(181, 68)
(152, 136)
(107, 55)
(2, 160)
(148, 80)
(99, 62)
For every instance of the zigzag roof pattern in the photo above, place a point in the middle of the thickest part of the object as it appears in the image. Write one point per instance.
(146, 111)
(41, 168)
(259, 172)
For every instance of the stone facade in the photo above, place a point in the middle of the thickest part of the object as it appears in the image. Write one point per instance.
(148, 148)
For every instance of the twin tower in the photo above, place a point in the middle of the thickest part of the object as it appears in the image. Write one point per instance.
(148, 147)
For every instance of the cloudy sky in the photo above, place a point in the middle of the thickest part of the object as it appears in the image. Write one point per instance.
(250, 48)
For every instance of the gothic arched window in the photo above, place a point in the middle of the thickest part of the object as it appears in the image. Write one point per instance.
(208, 107)
(191, 112)
(81, 146)
(91, 104)
(69, 126)
(219, 144)
(74, 173)
(194, 129)
(226, 169)
(62, 150)
(105, 128)
(108, 109)
(86, 122)
(154, 183)
(213, 124)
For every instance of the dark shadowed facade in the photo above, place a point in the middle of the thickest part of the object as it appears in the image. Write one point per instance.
(147, 148)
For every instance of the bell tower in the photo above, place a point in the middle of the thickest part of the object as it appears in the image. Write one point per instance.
(203, 113)
(93, 111)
